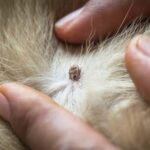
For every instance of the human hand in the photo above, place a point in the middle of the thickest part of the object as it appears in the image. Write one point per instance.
(44, 125)
(101, 17)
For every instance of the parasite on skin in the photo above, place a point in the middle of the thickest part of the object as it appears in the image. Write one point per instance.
(74, 73)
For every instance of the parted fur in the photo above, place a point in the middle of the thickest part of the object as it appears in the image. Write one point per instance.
(104, 97)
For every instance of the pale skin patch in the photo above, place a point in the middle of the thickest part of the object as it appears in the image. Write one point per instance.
(74, 73)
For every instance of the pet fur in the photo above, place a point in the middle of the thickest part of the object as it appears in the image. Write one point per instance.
(104, 96)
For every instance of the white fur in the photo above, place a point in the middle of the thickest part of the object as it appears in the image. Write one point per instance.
(104, 97)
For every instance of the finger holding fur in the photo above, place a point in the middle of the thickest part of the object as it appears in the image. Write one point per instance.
(36, 119)
(138, 64)
(96, 19)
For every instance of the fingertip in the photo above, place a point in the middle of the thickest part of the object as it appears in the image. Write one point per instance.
(75, 28)
(65, 21)
(7, 90)
(16, 99)
(17, 91)
(131, 52)
(138, 64)
(4, 108)
(66, 26)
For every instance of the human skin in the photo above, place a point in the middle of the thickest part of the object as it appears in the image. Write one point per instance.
(41, 123)
(76, 27)
(138, 64)
(44, 125)
(100, 18)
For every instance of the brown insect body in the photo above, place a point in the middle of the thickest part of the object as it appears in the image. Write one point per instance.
(74, 73)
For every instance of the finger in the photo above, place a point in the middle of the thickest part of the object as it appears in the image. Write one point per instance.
(100, 18)
(44, 125)
(138, 64)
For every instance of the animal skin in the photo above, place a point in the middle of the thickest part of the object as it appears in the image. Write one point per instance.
(90, 81)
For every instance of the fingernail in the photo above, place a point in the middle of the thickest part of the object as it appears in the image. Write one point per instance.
(68, 19)
(143, 45)
(4, 107)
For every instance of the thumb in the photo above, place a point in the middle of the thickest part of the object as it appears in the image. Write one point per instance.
(44, 125)
(138, 64)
